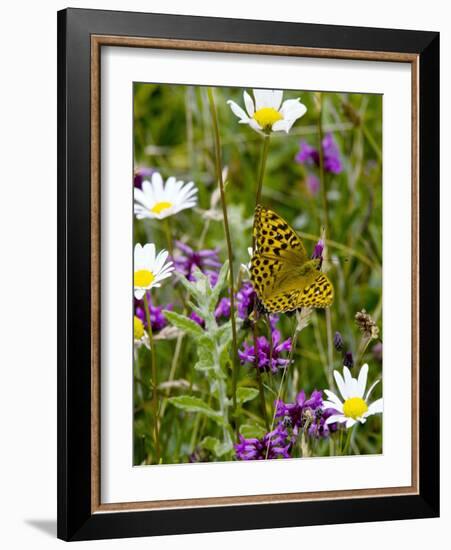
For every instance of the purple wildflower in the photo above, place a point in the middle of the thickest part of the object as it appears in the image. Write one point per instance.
(267, 359)
(206, 260)
(348, 360)
(377, 351)
(318, 428)
(197, 319)
(318, 250)
(273, 445)
(245, 299)
(307, 154)
(306, 414)
(338, 341)
(223, 308)
(140, 175)
(157, 319)
(297, 411)
(313, 184)
(331, 155)
(332, 161)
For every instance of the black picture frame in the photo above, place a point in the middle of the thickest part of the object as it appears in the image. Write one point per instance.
(76, 520)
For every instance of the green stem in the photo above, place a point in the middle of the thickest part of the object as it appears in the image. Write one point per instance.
(348, 440)
(153, 365)
(340, 443)
(259, 377)
(218, 164)
(263, 159)
(168, 233)
(372, 142)
(322, 176)
(330, 356)
(364, 343)
(261, 173)
(172, 371)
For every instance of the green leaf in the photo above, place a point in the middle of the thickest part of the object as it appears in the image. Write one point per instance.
(191, 287)
(252, 430)
(224, 334)
(215, 446)
(216, 291)
(246, 394)
(223, 448)
(210, 443)
(195, 404)
(183, 323)
(224, 357)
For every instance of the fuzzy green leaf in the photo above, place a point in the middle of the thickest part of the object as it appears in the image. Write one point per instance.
(183, 323)
(210, 443)
(215, 446)
(219, 286)
(189, 403)
(246, 394)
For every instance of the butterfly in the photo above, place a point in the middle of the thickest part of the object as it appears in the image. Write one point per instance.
(284, 277)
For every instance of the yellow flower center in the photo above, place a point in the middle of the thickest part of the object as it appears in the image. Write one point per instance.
(160, 207)
(138, 328)
(354, 407)
(267, 116)
(143, 278)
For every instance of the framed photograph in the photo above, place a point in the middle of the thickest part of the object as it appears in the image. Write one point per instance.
(248, 274)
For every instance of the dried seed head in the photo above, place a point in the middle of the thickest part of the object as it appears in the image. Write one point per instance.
(367, 326)
(308, 417)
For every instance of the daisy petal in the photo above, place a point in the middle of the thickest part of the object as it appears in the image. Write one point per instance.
(238, 111)
(292, 109)
(341, 384)
(281, 126)
(350, 422)
(332, 405)
(248, 103)
(336, 418)
(332, 397)
(148, 255)
(141, 197)
(361, 383)
(267, 98)
(376, 407)
(254, 125)
(148, 192)
(157, 184)
(139, 293)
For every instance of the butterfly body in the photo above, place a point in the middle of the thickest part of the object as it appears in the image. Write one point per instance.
(284, 278)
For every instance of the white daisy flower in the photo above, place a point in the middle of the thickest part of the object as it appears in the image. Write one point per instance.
(148, 269)
(159, 200)
(266, 113)
(140, 336)
(354, 407)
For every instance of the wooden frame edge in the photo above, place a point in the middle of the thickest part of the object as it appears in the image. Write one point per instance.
(260, 49)
(226, 47)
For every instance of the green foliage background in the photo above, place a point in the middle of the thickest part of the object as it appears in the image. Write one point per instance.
(173, 134)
